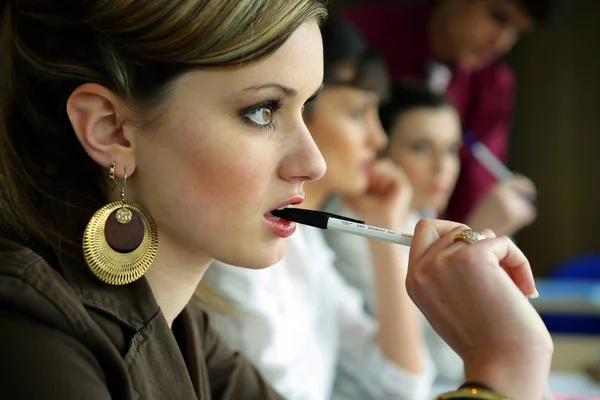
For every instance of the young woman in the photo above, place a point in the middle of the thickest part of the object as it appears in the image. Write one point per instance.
(192, 109)
(298, 321)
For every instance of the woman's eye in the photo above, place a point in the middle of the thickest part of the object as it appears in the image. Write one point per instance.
(420, 148)
(262, 116)
(358, 113)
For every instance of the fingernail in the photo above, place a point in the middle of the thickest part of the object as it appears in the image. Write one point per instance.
(535, 294)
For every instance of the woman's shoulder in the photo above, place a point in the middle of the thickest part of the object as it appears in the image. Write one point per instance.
(29, 284)
(64, 295)
(33, 289)
(14, 255)
(45, 337)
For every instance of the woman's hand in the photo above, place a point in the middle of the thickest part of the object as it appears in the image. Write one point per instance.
(507, 208)
(386, 202)
(474, 296)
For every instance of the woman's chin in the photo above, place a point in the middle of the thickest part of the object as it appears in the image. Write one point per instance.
(267, 257)
(253, 256)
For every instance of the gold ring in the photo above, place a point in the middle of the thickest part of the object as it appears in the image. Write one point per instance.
(469, 236)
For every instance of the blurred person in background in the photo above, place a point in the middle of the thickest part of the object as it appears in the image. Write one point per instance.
(424, 139)
(456, 47)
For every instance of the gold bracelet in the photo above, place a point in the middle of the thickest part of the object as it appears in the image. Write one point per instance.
(472, 393)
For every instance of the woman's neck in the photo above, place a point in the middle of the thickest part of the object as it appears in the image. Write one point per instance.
(174, 277)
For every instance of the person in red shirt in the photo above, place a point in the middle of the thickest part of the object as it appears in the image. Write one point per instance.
(455, 47)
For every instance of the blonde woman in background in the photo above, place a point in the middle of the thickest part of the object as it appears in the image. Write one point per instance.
(424, 140)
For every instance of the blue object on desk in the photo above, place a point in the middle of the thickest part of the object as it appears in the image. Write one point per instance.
(583, 266)
(569, 306)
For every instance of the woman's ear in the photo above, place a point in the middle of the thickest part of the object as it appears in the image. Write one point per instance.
(97, 116)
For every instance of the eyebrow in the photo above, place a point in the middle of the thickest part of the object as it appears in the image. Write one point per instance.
(288, 91)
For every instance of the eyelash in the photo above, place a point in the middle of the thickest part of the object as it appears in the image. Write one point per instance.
(272, 105)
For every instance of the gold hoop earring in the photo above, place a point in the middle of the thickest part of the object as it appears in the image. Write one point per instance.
(121, 240)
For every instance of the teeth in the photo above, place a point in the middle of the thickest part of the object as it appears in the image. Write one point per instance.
(286, 206)
(274, 218)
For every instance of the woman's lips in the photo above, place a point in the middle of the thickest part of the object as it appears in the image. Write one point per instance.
(280, 227)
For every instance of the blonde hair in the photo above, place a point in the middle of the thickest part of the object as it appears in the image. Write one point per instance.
(136, 48)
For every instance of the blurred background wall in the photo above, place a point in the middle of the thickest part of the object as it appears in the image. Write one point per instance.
(556, 132)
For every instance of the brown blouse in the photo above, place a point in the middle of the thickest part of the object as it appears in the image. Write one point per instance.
(66, 335)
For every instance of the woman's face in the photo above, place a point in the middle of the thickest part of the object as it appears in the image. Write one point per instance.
(425, 143)
(231, 147)
(485, 30)
(345, 125)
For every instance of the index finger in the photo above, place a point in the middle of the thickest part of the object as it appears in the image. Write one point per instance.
(513, 261)
(427, 232)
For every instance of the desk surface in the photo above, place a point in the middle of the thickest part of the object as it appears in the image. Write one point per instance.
(573, 384)
(572, 354)
(575, 353)
(565, 383)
